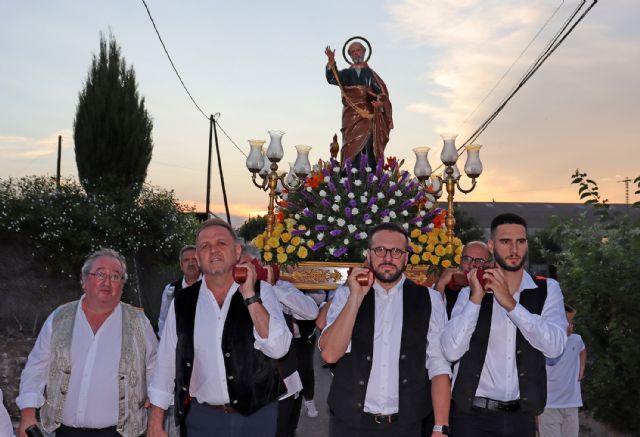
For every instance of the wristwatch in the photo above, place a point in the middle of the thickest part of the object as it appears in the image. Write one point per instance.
(444, 429)
(253, 299)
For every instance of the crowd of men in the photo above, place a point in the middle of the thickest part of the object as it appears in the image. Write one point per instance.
(407, 360)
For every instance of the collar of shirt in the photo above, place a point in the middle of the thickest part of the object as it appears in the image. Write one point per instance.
(382, 292)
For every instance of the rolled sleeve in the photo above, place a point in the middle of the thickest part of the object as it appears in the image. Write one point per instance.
(546, 332)
(160, 389)
(436, 363)
(338, 302)
(458, 331)
(276, 345)
(36, 372)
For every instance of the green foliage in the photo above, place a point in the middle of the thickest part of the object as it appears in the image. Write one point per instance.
(599, 275)
(467, 227)
(252, 228)
(112, 129)
(67, 224)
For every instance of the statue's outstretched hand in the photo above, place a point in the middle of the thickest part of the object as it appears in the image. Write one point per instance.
(331, 55)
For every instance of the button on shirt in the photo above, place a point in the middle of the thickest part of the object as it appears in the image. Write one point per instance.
(92, 396)
(209, 378)
(545, 332)
(382, 395)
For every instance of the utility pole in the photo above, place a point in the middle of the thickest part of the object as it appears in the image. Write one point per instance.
(59, 159)
(626, 182)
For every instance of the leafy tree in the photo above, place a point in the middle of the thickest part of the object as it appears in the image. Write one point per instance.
(467, 227)
(252, 228)
(598, 271)
(112, 129)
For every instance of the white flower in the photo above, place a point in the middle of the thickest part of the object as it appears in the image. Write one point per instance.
(398, 193)
(326, 179)
(355, 211)
(351, 195)
(357, 182)
(405, 212)
(309, 189)
(335, 207)
(322, 193)
(374, 178)
(380, 196)
(362, 235)
(386, 219)
(392, 202)
(320, 236)
(428, 205)
(331, 250)
(307, 234)
(367, 222)
(337, 198)
(320, 216)
(343, 180)
(340, 222)
(374, 208)
(367, 169)
(296, 216)
(419, 224)
(336, 169)
(363, 199)
(392, 214)
(346, 241)
(352, 228)
(315, 168)
(354, 170)
(423, 212)
(331, 219)
(405, 226)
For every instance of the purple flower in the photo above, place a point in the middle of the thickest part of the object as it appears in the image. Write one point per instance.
(336, 232)
(415, 220)
(384, 179)
(319, 245)
(393, 188)
(371, 202)
(325, 172)
(405, 175)
(406, 204)
(347, 212)
(321, 227)
(363, 161)
(370, 178)
(308, 197)
(352, 203)
(379, 167)
(325, 203)
(332, 186)
(366, 217)
(384, 213)
(297, 232)
(307, 212)
(338, 253)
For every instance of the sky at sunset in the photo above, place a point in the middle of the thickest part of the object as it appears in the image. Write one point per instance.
(447, 64)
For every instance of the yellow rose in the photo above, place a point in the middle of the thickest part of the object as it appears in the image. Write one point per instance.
(449, 249)
(415, 233)
(295, 240)
(459, 250)
(280, 249)
(273, 242)
(434, 260)
(285, 237)
(291, 248)
(266, 247)
(415, 259)
(282, 258)
(290, 223)
(429, 248)
(268, 256)
(440, 250)
(423, 238)
(302, 252)
(302, 227)
(457, 241)
(433, 240)
(311, 243)
(445, 263)
(259, 242)
(456, 258)
(279, 228)
(426, 256)
(415, 247)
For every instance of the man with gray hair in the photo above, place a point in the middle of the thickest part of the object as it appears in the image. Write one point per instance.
(89, 367)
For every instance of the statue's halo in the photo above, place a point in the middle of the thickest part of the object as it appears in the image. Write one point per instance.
(354, 38)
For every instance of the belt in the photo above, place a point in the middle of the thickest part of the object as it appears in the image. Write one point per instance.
(492, 405)
(225, 407)
(71, 431)
(382, 418)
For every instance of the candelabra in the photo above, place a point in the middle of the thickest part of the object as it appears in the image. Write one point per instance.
(265, 165)
(450, 177)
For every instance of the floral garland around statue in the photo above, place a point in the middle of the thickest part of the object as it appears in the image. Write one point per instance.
(330, 218)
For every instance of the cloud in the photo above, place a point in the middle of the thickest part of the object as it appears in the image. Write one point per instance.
(13, 147)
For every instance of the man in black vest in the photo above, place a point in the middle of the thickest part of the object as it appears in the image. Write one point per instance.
(191, 274)
(220, 346)
(500, 335)
(384, 337)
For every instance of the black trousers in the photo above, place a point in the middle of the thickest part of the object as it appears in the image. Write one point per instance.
(479, 422)
(305, 348)
(369, 428)
(288, 416)
(67, 431)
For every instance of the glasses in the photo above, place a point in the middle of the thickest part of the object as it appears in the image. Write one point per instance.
(113, 277)
(478, 262)
(381, 252)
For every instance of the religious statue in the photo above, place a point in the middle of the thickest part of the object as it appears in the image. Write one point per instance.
(366, 113)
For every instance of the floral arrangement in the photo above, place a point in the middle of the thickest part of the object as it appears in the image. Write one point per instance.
(331, 217)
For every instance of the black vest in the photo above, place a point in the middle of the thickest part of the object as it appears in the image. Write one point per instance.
(530, 362)
(253, 380)
(288, 364)
(351, 374)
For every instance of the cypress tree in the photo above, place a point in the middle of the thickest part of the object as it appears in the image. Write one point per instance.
(112, 129)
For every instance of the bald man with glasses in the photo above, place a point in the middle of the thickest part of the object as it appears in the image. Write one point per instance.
(384, 337)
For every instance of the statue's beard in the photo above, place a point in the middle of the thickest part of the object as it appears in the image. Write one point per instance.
(357, 59)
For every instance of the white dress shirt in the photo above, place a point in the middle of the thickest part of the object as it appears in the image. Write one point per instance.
(167, 296)
(302, 307)
(545, 332)
(92, 396)
(382, 395)
(6, 427)
(563, 385)
(209, 379)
